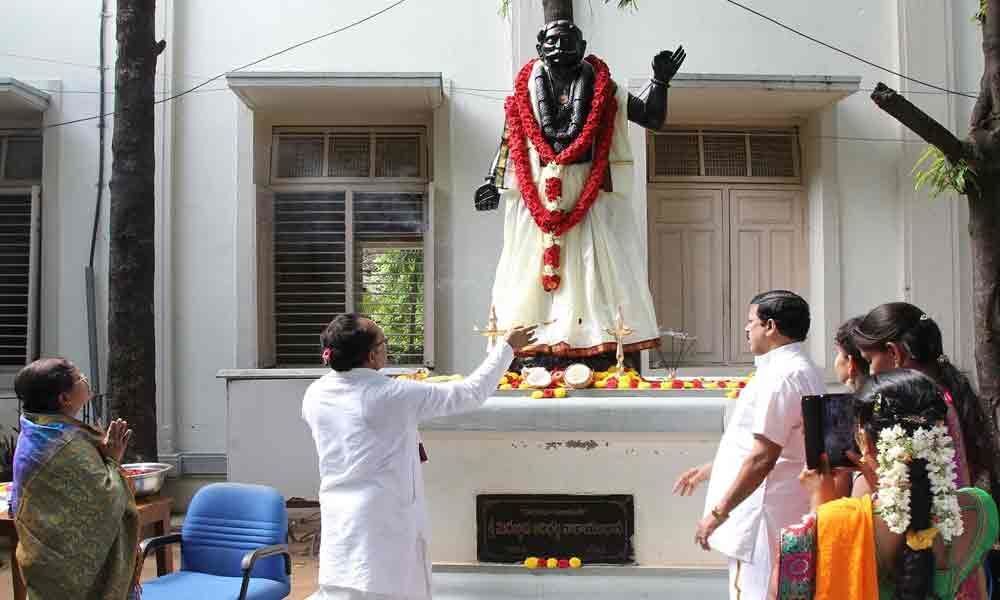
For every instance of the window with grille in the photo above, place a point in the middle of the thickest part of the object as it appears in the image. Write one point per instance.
(372, 154)
(19, 243)
(20, 157)
(725, 155)
(349, 251)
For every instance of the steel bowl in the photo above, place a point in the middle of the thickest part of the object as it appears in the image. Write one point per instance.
(150, 480)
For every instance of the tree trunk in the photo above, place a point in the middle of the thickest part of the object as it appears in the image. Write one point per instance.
(984, 213)
(131, 326)
(984, 229)
(982, 152)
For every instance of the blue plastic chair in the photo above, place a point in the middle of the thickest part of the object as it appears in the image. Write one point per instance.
(230, 542)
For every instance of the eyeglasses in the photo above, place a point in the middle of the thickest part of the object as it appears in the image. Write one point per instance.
(84, 379)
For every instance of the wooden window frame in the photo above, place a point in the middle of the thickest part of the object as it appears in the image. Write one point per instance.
(5, 137)
(374, 133)
(266, 285)
(747, 132)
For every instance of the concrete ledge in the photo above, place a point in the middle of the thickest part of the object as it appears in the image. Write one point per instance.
(586, 571)
(589, 583)
(652, 413)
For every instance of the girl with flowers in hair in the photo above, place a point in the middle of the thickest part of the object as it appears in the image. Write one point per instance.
(919, 536)
(899, 334)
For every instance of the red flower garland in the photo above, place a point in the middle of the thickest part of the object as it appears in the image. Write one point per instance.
(553, 188)
(523, 126)
(584, 141)
(551, 256)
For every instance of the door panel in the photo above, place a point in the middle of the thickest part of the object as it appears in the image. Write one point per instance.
(687, 267)
(768, 238)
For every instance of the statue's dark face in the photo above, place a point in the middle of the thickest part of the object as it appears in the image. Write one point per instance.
(561, 45)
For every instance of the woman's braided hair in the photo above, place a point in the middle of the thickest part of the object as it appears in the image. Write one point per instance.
(911, 400)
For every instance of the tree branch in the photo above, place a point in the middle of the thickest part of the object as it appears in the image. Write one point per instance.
(919, 122)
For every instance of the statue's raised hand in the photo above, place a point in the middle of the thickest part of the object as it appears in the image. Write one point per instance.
(667, 63)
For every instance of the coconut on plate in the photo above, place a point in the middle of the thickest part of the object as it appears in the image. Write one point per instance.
(537, 377)
(578, 376)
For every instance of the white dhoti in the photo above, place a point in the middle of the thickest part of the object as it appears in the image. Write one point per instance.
(335, 593)
(756, 579)
(769, 407)
(601, 265)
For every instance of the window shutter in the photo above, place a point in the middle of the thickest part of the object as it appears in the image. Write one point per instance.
(18, 277)
(772, 155)
(677, 155)
(300, 156)
(397, 156)
(344, 153)
(350, 156)
(309, 282)
(725, 155)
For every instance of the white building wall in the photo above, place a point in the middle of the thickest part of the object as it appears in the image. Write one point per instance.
(876, 220)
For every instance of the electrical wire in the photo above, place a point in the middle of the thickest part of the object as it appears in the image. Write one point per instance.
(846, 53)
(249, 64)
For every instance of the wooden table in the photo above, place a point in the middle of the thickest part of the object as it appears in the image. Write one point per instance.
(154, 515)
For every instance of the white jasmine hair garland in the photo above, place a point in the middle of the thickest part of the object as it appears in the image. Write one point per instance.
(896, 450)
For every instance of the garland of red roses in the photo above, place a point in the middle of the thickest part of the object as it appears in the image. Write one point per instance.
(597, 133)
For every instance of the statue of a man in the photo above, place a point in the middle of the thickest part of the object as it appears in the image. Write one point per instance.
(571, 255)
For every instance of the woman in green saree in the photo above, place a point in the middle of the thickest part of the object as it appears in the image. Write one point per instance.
(918, 536)
(72, 506)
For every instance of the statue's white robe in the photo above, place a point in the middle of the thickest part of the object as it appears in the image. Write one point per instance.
(603, 266)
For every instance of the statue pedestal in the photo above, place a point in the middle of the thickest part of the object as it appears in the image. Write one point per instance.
(595, 442)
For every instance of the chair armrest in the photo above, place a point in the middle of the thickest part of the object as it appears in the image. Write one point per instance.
(154, 543)
(250, 558)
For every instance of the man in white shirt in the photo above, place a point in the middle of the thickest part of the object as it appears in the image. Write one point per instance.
(754, 490)
(374, 526)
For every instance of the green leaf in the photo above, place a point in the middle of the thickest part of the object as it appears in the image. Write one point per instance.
(934, 170)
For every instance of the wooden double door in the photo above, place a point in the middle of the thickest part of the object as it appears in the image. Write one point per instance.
(712, 248)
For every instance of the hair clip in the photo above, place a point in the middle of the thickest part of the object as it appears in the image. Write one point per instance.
(878, 402)
(943, 359)
(915, 420)
(327, 355)
(924, 317)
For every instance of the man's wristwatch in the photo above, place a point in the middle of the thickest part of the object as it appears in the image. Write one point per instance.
(719, 515)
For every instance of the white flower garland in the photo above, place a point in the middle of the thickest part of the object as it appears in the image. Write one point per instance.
(895, 451)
